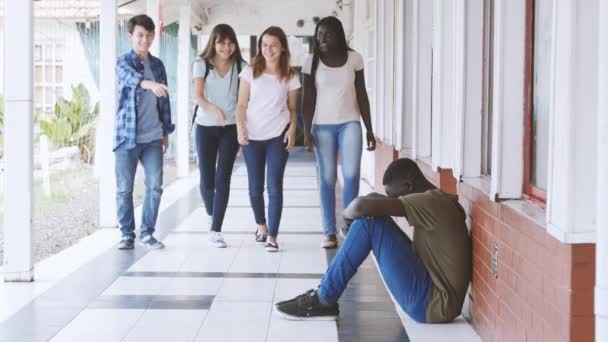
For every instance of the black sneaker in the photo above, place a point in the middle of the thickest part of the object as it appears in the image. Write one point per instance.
(126, 243)
(306, 307)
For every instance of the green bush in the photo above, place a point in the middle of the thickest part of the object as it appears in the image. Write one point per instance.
(72, 123)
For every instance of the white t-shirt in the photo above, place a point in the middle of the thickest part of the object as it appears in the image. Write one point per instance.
(267, 113)
(336, 95)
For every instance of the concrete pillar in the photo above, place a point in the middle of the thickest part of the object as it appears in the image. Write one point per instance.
(601, 257)
(571, 186)
(183, 91)
(104, 157)
(19, 140)
(153, 11)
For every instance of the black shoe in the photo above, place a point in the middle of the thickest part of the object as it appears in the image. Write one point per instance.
(307, 307)
(260, 237)
(271, 247)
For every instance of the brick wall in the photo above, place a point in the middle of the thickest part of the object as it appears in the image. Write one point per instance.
(543, 289)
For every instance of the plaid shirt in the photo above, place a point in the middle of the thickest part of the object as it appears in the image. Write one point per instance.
(129, 74)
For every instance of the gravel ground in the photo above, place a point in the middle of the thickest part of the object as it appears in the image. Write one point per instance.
(72, 211)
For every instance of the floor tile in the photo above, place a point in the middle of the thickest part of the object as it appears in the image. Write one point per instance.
(99, 325)
(281, 330)
(247, 290)
(236, 322)
(167, 325)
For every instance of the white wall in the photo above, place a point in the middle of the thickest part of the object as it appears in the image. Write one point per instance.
(75, 65)
(253, 17)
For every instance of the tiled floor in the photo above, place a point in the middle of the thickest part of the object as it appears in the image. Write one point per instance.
(193, 292)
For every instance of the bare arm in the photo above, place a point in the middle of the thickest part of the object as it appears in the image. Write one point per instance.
(309, 97)
(290, 136)
(373, 206)
(241, 108)
(201, 101)
(363, 102)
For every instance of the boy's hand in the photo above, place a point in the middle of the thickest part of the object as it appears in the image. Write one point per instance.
(350, 213)
(165, 143)
(159, 89)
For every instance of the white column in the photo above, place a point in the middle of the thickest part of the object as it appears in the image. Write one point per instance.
(507, 99)
(601, 248)
(437, 80)
(153, 11)
(571, 189)
(422, 77)
(183, 91)
(473, 90)
(19, 140)
(104, 157)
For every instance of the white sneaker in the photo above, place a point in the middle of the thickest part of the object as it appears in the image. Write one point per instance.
(329, 241)
(216, 239)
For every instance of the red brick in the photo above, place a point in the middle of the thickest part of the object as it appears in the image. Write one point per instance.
(511, 217)
(490, 207)
(554, 317)
(582, 303)
(583, 277)
(534, 335)
(532, 251)
(509, 236)
(583, 329)
(534, 298)
(557, 334)
(508, 276)
(583, 253)
(532, 275)
(534, 231)
(556, 294)
(551, 243)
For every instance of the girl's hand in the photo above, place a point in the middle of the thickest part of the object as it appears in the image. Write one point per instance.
(309, 142)
(290, 138)
(371, 141)
(242, 135)
(220, 117)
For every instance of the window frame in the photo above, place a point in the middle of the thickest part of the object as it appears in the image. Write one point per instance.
(530, 191)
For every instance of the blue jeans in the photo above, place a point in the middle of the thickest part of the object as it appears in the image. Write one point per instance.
(270, 156)
(404, 273)
(151, 157)
(329, 139)
(217, 147)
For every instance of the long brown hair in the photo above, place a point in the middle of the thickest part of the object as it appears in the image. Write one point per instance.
(259, 63)
(220, 33)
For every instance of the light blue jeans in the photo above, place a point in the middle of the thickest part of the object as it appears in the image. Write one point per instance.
(347, 139)
(151, 157)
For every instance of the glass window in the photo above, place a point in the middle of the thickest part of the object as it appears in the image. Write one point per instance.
(541, 78)
(488, 75)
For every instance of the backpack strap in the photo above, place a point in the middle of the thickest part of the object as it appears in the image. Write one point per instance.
(208, 67)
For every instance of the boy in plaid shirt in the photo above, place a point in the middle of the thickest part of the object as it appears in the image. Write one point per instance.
(141, 133)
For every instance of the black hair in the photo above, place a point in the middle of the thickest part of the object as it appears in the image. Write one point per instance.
(141, 20)
(403, 169)
(334, 25)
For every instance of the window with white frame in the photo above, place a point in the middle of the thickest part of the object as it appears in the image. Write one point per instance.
(48, 75)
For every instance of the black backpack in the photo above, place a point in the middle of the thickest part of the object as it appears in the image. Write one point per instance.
(208, 67)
